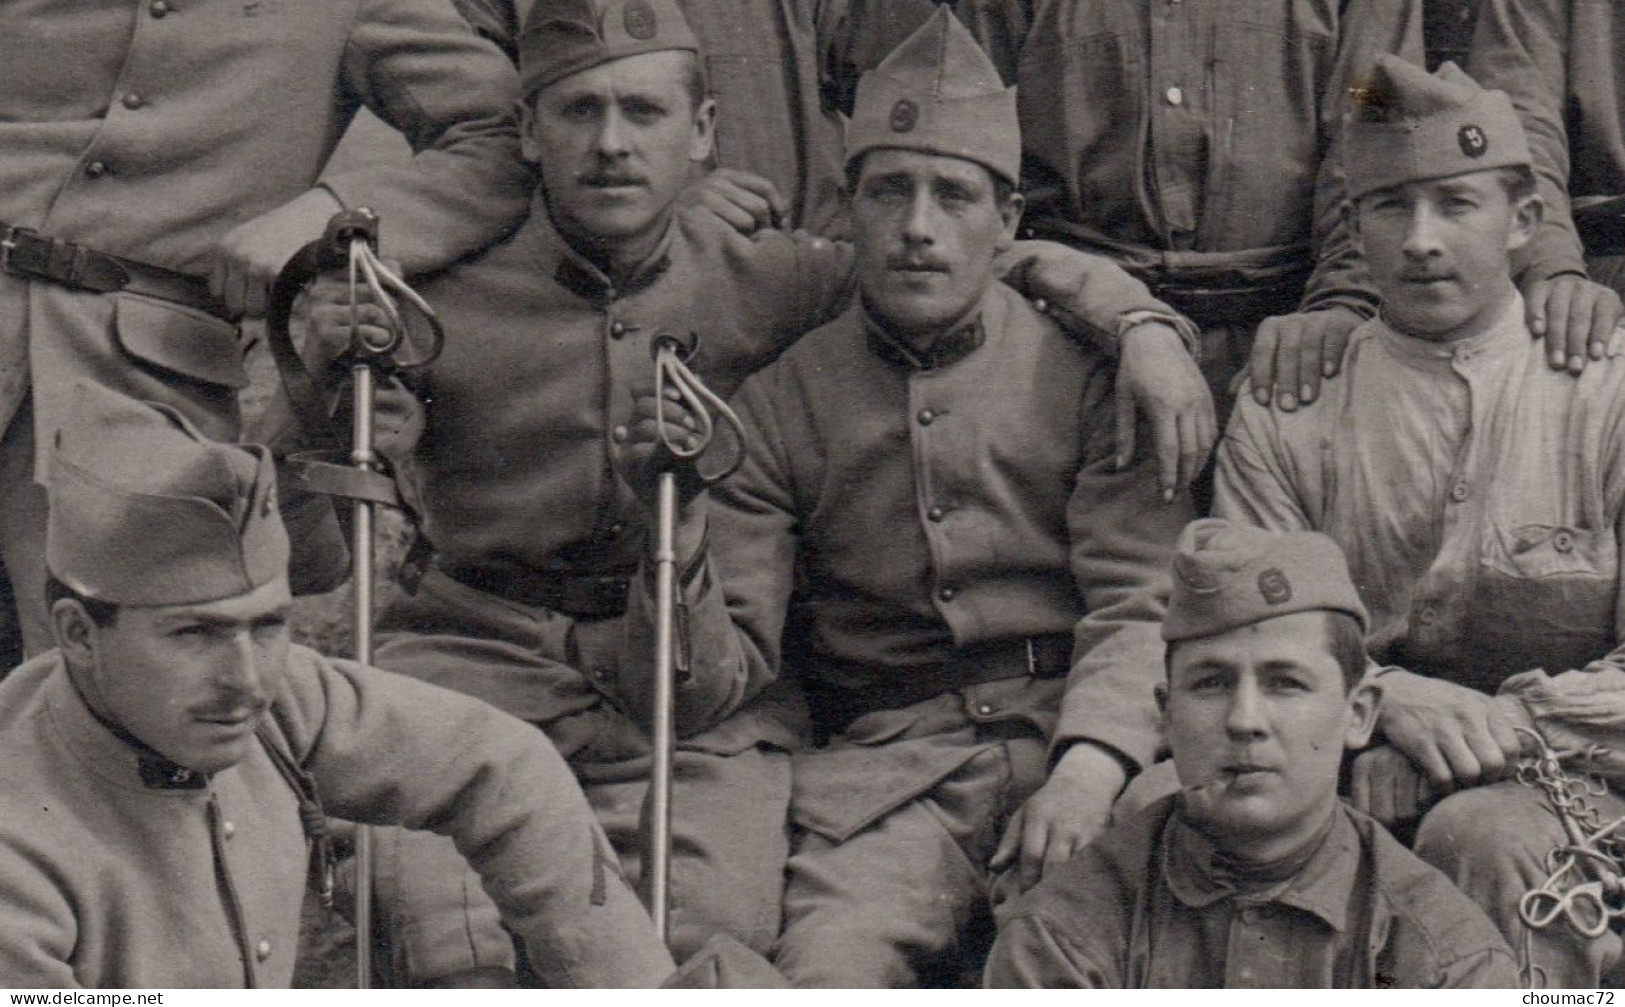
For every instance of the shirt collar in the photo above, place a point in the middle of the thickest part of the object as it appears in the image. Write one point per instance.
(1323, 886)
(110, 751)
(579, 275)
(947, 349)
(1507, 333)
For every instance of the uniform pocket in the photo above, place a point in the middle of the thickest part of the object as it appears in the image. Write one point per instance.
(179, 340)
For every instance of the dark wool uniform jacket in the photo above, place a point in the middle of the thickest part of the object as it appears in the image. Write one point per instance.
(149, 129)
(897, 512)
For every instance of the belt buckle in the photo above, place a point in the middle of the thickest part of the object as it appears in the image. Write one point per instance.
(8, 245)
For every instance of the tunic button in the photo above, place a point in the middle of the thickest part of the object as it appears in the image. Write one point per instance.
(1427, 615)
(1249, 915)
(96, 169)
(227, 829)
(934, 513)
(619, 434)
(262, 950)
(616, 330)
(1460, 492)
(926, 416)
(132, 101)
(946, 594)
(1175, 96)
(1563, 541)
(617, 528)
(984, 709)
(603, 674)
(158, 8)
(1040, 305)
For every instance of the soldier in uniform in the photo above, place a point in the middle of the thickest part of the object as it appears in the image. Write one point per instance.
(1562, 65)
(536, 539)
(930, 534)
(157, 159)
(1478, 494)
(1255, 875)
(159, 770)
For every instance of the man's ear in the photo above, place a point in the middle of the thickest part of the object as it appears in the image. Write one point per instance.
(1364, 700)
(1527, 213)
(704, 136)
(75, 632)
(1350, 212)
(1010, 213)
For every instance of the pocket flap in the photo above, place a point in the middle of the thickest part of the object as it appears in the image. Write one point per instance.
(188, 342)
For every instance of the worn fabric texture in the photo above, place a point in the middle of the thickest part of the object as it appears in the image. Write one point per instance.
(1146, 906)
(108, 876)
(1563, 65)
(1479, 497)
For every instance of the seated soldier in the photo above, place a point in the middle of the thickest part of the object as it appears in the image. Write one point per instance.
(527, 408)
(930, 498)
(1478, 495)
(1255, 875)
(156, 768)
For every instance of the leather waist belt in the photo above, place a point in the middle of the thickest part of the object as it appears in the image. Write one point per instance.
(580, 596)
(841, 693)
(25, 253)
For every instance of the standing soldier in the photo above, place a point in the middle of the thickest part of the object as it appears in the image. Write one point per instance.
(160, 771)
(156, 164)
(930, 534)
(1563, 65)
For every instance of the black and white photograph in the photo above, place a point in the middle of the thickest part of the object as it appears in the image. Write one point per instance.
(812, 494)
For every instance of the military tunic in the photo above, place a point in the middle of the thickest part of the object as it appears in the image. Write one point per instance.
(116, 879)
(1480, 498)
(1561, 63)
(1151, 905)
(902, 516)
(150, 129)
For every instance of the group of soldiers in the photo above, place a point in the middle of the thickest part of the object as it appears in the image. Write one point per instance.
(929, 316)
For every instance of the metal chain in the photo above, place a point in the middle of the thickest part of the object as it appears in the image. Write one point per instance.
(1583, 888)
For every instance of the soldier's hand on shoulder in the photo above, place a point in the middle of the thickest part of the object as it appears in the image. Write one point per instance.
(250, 255)
(1293, 353)
(1063, 816)
(1157, 376)
(1457, 736)
(1574, 315)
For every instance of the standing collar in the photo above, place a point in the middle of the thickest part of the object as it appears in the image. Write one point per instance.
(578, 274)
(953, 346)
(1320, 882)
(107, 750)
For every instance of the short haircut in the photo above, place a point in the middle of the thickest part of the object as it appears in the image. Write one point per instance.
(1344, 640)
(1518, 180)
(102, 613)
(1003, 188)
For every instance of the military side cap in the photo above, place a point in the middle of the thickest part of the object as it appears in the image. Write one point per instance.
(145, 511)
(564, 37)
(1228, 575)
(940, 94)
(1407, 125)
